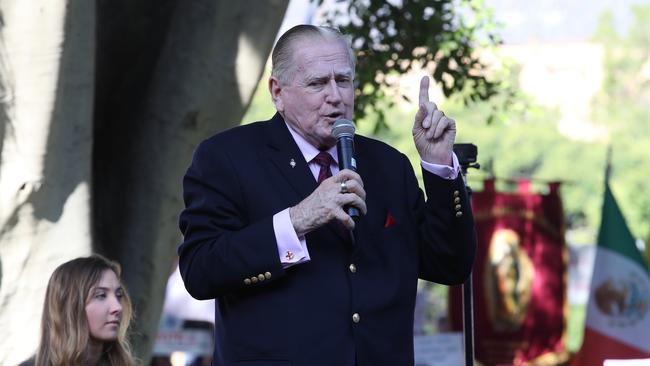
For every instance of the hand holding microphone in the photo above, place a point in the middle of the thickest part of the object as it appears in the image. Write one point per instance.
(343, 131)
(340, 197)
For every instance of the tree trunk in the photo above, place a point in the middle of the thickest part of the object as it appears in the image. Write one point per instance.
(47, 66)
(190, 71)
(104, 102)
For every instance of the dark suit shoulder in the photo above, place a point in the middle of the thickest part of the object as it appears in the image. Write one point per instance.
(372, 143)
(237, 137)
(372, 147)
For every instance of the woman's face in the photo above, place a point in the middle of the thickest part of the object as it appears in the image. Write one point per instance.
(104, 308)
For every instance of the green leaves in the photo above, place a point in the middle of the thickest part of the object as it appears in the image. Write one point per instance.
(397, 37)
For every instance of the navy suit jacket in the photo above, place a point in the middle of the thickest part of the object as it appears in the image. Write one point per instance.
(303, 315)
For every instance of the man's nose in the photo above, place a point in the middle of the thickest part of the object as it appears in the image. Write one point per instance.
(333, 92)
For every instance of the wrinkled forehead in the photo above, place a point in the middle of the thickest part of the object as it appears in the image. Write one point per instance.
(322, 55)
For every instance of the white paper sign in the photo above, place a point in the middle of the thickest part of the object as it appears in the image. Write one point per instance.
(643, 362)
(194, 341)
(442, 349)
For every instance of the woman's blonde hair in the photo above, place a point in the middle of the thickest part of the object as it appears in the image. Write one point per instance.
(64, 326)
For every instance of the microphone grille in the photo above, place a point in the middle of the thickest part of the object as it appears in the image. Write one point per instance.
(343, 128)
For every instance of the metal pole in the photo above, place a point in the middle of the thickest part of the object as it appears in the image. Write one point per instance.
(466, 154)
(468, 321)
(468, 305)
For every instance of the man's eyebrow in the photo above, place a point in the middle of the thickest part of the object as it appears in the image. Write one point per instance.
(346, 73)
(313, 78)
(326, 77)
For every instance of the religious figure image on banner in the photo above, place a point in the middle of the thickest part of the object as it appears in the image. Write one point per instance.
(519, 277)
(509, 275)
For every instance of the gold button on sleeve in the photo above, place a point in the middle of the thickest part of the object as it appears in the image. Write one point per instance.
(353, 268)
(457, 207)
(457, 200)
(247, 281)
(261, 277)
(254, 279)
(459, 213)
(456, 193)
(267, 275)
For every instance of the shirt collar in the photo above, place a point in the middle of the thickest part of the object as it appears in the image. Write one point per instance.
(308, 150)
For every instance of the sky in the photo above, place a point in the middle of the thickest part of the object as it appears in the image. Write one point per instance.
(528, 20)
(558, 20)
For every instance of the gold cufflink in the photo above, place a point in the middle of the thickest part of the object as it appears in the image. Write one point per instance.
(289, 255)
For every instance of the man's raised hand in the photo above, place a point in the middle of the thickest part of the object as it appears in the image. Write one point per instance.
(433, 132)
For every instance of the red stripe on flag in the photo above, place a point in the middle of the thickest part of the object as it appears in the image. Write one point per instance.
(597, 347)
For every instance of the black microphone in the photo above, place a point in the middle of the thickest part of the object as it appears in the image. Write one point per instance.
(343, 131)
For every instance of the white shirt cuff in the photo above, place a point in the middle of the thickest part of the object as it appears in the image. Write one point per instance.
(291, 249)
(443, 171)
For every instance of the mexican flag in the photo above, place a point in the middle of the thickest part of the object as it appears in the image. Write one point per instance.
(618, 313)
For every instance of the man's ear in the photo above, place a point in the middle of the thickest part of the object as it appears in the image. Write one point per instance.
(275, 88)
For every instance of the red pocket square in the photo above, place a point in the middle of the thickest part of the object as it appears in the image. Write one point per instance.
(390, 220)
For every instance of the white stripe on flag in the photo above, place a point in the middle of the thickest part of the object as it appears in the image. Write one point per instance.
(619, 301)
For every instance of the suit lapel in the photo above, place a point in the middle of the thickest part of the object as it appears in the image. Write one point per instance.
(286, 157)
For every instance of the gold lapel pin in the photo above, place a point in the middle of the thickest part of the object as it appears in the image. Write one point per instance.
(292, 163)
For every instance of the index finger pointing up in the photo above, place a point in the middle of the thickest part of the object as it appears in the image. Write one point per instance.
(424, 90)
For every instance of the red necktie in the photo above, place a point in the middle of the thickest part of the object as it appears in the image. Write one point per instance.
(324, 160)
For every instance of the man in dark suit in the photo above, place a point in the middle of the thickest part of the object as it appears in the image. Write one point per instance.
(296, 280)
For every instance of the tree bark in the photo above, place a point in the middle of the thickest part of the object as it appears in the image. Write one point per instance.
(168, 93)
(103, 103)
(47, 71)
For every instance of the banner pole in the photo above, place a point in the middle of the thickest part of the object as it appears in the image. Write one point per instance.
(468, 321)
(466, 154)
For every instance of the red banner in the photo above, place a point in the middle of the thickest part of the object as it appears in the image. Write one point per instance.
(519, 278)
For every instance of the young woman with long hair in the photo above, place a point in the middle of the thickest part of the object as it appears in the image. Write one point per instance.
(86, 315)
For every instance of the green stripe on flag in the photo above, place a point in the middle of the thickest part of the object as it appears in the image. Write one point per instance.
(614, 233)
